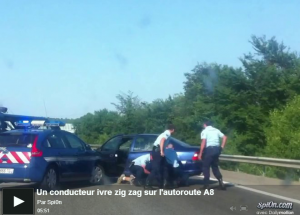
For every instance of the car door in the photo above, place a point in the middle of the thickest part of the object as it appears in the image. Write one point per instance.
(114, 153)
(82, 166)
(56, 149)
(142, 145)
(108, 154)
(123, 153)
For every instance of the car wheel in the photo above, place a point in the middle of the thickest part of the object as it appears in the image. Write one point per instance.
(97, 175)
(50, 181)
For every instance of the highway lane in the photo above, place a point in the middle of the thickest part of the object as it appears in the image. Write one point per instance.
(216, 204)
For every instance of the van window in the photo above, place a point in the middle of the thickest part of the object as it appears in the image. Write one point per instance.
(16, 139)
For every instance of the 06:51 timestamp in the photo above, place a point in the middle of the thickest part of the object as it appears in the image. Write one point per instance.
(43, 210)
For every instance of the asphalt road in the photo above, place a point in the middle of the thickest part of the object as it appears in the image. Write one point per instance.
(216, 204)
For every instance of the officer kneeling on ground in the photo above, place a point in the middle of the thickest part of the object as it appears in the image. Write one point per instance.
(138, 170)
(176, 175)
(210, 145)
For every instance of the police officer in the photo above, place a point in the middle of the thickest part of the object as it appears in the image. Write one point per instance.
(210, 145)
(158, 160)
(138, 170)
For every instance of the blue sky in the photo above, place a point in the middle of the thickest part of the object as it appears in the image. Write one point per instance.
(78, 55)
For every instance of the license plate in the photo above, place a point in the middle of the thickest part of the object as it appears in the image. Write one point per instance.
(6, 171)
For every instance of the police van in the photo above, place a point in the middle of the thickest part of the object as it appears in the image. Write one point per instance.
(46, 156)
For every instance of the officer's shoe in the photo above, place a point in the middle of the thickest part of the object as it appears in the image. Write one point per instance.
(221, 184)
(175, 184)
(185, 180)
(165, 185)
(147, 185)
(138, 183)
(206, 186)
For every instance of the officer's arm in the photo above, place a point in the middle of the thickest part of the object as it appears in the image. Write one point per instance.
(162, 145)
(224, 141)
(145, 170)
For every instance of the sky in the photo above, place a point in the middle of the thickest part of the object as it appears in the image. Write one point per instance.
(67, 58)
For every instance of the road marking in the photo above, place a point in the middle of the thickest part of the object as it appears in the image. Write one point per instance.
(258, 191)
(269, 194)
(213, 179)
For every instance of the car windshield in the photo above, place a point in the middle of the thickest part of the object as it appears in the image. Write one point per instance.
(16, 139)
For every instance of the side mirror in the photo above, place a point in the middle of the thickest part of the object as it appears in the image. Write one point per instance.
(99, 149)
(87, 146)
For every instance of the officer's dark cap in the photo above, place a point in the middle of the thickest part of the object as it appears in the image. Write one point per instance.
(171, 127)
(208, 123)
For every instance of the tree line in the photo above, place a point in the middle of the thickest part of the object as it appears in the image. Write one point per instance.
(256, 105)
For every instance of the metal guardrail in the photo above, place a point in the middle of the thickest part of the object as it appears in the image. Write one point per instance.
(288, 163)
(94, 146)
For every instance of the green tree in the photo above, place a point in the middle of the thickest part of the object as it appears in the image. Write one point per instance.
(238, 100)
(94, 128)
(283, 134)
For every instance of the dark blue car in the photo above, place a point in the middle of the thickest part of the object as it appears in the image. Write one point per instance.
(118, 152)
(48, 157)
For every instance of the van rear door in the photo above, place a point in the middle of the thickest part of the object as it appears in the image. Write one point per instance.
(15, 154)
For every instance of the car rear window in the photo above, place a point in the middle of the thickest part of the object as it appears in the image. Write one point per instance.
(178, 142)
(16, 139)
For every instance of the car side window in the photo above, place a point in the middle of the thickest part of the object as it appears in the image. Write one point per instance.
(144, 143)
(54, 141)
(74, 142)
(112, 144)
(125, 144)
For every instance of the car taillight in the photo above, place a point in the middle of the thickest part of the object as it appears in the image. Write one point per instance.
(195, 157)
(35, 152)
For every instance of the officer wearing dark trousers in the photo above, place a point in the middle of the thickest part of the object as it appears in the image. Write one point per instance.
(157, 168)
(210, 145)
(158, 160)
(138, 169)
(138, 173)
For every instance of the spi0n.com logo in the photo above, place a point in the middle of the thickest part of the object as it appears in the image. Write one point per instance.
(275, 208)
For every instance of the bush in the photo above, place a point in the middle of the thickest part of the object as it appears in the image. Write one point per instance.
(283, 133)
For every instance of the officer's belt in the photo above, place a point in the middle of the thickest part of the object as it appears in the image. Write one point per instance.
(156, 148)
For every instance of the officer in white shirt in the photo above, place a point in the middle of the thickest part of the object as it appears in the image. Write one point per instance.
(158, 160)
(210, 145)
(138, 170)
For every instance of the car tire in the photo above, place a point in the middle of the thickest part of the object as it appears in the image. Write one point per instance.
(97, 176)
(50, 180)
